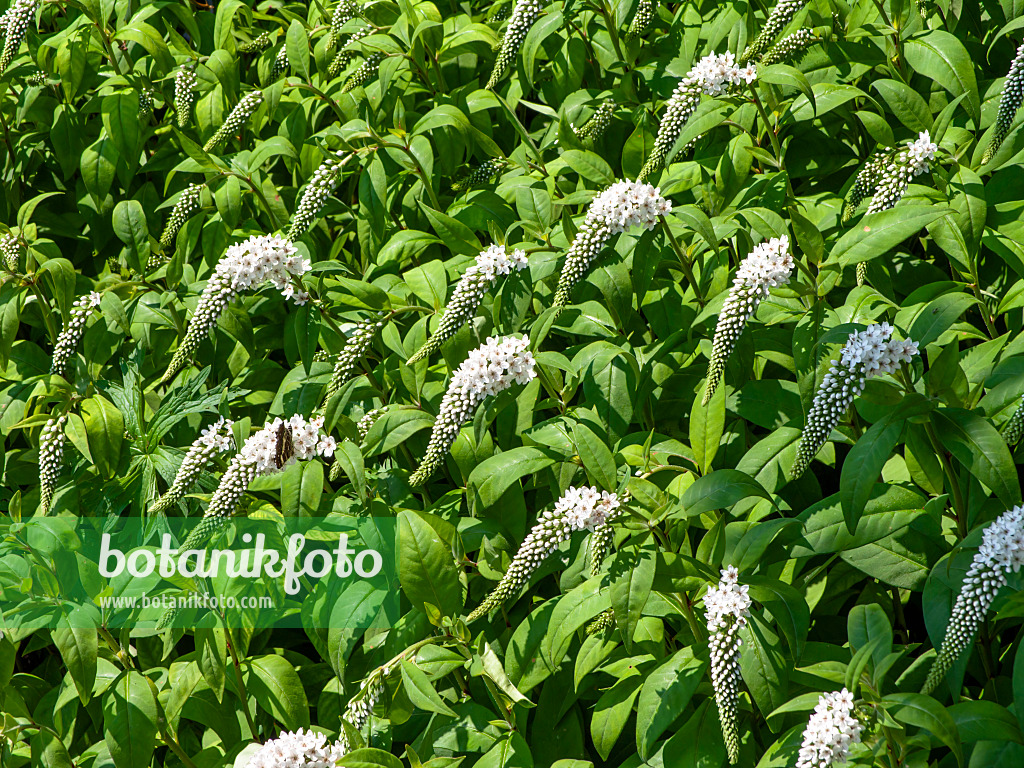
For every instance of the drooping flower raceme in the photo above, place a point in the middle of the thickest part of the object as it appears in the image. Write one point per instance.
(767, 266)
(244, 266)
(72, 333)
(1009, 103)
(867, 354)
(1001, 551)
(344, 12)
(490, 368)
(259, 43)
(895, 177)
(490, 263)
(728, 606)
(215, 439)
(363, 72)
(830, 731)
(712, 75)
(258, 457)
(185, 83)
(238, 117)
(314, 196)
(594, 128)
(15, 25)
(355, 350)
(789, 46)
(642, 19)
(360, 707)
(781, 15)
(482, 173)
(866, 182)
(623, 205)
(280, 63)
(578, 508)
(189, 201)
(51, 452)
(298, 750)
(524, 15)
(347, 53)
(1014, 429)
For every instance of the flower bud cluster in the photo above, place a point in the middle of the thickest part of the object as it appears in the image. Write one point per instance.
(215, 439)
(767, 266)
(712, 76)
(895, 177)
(364, 72)
(280, 63)
(356, 347)
(623, 205)
(578, 508)
(1009, 103)
(469, 292)
(189, 202)
(51, 452)
(298, 750)
(73, 331)
(345, 11)
(481, 174)
(867, 354)
(866, 181)
(790, 46)
(594, 128)
(642, 19)
(491, 368)
(185, 83)
(347, 53)
(1001, 552)
(259, 456)
(524, 15)
(14, 26)
(359, 709)
(727, 606)
(830, 731)
(145, 102)
(10, 251)
(314, 196)
(239, 116)
(257, 44)
(244, 265)
(781, 15)
(1014, 429)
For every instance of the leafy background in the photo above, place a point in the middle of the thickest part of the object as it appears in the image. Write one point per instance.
(853, 566)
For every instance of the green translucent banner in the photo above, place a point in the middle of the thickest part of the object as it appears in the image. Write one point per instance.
(334, 572)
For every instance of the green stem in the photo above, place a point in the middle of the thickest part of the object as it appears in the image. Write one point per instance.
(419, 171)
(959, 508)
(684, 262)
(242, 693)
(521, 130)
(47, 313)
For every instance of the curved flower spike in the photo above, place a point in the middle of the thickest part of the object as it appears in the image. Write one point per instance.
(728, 606)
(491, 368)
(830, 731)
(490, 263)
(1001, 551)
(216, 438)
(781, 15)
(238, 117)
(73, 332)
(1009, 103)
(578, 508)
(867, 354)
(524, 15)
(767, 266)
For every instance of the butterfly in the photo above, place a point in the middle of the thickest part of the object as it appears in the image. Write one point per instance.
(285, 448)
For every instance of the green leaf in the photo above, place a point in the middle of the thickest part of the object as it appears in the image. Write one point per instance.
(925, 712)
(630, 588)
(495, 475)
(98, 162)
(611, 712)
(426, 569)
(130, 720)
(104, 426)
(864, 464)
(130, 226)
(985, 721)
(420, 691)
(78, 646)
(978, 446)
(941, 56)
(297, 44)
(590, 166)
(938, 315)
(276, 686)
(877, 233)
(665, 693)
(720, 490)
(596, 456)
(707, 424)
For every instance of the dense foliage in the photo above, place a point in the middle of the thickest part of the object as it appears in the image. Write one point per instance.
(684, 475)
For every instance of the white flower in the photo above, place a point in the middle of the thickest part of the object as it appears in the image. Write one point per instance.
(491, 263)
(298, 750)
(866, 354)
(728, 606)
(1001, 552)
(578, 508)
(830, 731)
(896, 176)
(767, 266)
(623, 205)
(73, 332)
(491, 368)
(244, 266)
